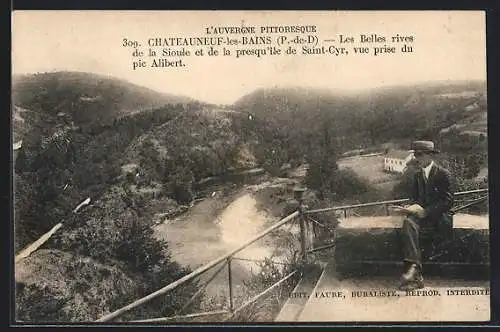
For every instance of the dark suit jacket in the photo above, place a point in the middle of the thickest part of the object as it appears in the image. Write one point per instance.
(435, 195)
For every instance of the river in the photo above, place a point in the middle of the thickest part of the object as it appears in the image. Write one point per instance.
(214, 227)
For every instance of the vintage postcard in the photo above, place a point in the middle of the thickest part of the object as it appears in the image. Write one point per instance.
(250, 166)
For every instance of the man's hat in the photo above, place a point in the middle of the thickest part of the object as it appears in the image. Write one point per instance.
(423, 147)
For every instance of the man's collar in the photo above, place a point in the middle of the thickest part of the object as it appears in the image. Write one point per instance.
(428, 167)
(426, 172)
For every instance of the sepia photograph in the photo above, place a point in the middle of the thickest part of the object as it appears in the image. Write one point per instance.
(204, 167)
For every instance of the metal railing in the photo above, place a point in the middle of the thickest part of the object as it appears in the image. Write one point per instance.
(392, 202)
(226, 260)
(305, 248)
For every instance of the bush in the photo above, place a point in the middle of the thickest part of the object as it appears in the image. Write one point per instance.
(466, 185)
(404, 188)
(169, 304)
(116, 231)
(345, 183)
(56, 286)
(267, 307)
(339, 184)
(180, 185)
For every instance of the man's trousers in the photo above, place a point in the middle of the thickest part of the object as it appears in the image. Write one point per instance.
(411, 241)
(436, 232)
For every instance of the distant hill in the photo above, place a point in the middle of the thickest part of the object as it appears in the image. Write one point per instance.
(288, 99)
(439, 88)
(372, 116)
(85, 97)
(300, 98)
(53, 104)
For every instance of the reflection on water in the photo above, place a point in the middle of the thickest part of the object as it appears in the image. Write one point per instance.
(238, 223)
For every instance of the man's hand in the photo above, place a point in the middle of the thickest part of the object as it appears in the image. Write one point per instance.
(415, 210)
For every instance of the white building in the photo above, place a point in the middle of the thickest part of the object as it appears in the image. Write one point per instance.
(395, 161)
(17, 145)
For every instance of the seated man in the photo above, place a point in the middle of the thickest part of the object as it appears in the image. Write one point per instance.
(429, 208)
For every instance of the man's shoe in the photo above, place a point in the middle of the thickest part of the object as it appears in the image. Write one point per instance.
(411, 274)
(412, 279)
(412, 285)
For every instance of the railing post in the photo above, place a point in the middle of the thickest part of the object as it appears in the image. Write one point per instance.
(299, 196)
(387, 209)
(230, 282)
(303, 247)
(345, 213)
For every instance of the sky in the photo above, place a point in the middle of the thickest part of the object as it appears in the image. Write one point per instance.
(448, 45)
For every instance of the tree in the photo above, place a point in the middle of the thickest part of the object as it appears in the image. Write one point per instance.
(180, 184)
(345, 183)
(404, 188)
(322, 162)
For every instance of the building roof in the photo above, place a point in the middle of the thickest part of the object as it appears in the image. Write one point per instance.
(17, 145)
(398, 154)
